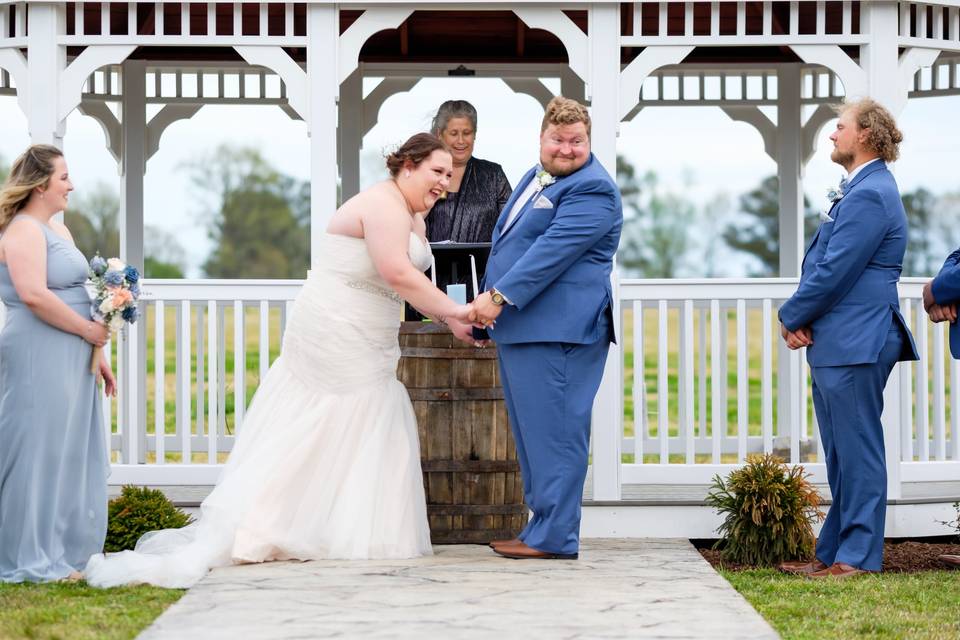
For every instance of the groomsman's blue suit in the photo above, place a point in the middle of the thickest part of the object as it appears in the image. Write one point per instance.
(848, 297)
(553, 264)
(946, 290)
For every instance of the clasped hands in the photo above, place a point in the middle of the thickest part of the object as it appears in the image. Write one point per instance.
(802, 337)
(937, 312)
(481, 313)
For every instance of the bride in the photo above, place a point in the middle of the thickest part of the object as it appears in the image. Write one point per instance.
(327, 464)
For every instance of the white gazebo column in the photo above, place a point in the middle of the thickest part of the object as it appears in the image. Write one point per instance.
(604, 96)
(789, 151)
(323, 36)
(351, 134)
(880, 58)
(133, 114)
(46, 61)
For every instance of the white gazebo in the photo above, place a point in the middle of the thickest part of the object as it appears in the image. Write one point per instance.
(310, 59)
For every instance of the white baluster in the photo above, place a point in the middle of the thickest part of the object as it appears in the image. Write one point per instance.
(641, 428)
(766, 377)
(239, 365)
(923, 391)
(686, 336)
(743, 422)
(184, 421)
(211, 19)
(212, 386)
(264, 340)
(716, 382)
(906, 394)
(663, 424)
(159, 382)
(104, 18)
(939, 399)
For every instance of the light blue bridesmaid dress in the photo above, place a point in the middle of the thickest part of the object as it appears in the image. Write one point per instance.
(53, 460)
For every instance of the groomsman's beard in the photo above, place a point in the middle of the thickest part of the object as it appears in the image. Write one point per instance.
(841, 158)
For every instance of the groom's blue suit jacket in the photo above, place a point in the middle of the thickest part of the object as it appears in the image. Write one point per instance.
(553, 262)
(848, 284)
(946, 290)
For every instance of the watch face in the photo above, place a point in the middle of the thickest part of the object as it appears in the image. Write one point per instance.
(496, 297)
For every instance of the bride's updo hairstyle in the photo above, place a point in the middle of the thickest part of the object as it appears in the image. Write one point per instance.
(417, 149)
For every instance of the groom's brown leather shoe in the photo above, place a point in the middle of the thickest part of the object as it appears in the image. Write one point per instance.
(801, 568)
(837, 570)
(520, 551)
(504, 543)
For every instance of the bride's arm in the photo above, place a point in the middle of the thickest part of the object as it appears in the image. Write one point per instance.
(387, 234)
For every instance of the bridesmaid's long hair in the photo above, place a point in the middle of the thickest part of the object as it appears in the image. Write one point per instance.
(31, 170)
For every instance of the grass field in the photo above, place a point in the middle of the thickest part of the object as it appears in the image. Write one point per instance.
(919, 606)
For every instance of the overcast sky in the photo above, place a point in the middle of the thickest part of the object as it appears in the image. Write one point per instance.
(695, 149)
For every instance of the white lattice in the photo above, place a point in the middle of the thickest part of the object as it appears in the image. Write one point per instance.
(773, 22)
(13, 24)
(930, 24)
(183, 24)
(194, 85)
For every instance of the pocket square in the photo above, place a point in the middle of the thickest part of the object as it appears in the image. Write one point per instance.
(542, 203)
(825, 217)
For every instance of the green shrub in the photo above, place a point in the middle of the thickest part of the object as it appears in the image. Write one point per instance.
(769, 510)
(136, 511)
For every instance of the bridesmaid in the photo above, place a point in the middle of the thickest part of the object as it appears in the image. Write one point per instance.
(53, 460)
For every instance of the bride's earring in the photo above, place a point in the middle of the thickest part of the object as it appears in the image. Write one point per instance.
(406, 174)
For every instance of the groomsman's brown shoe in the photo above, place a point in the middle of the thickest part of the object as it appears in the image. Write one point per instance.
(801, 568)
(504, 543)
(521, 551)
(949, 560)
(837, 570)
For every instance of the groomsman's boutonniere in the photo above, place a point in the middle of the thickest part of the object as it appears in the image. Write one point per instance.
(835, 194)
(544, 179)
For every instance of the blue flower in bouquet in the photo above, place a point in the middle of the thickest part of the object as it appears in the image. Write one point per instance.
(98, 265)
(131, 274)
(135, 289)
(130, 314)
(113, 278)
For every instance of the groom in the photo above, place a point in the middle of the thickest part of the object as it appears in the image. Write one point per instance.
(548, 289)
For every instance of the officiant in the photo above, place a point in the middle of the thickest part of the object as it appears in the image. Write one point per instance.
(478, 190)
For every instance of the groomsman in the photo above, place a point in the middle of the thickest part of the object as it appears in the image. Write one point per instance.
(847, 313)
(940, 298)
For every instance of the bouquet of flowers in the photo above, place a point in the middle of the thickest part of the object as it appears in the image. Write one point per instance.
(117, 289)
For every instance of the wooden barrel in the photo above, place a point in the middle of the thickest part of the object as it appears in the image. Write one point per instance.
(470, 470)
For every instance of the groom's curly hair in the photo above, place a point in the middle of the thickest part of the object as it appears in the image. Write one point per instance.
(883, 136)
(562, 111)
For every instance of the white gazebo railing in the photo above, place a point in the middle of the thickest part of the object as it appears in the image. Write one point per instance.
(707, 382)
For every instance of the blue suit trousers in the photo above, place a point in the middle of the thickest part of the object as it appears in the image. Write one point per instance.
(549, 389)
(848, 401)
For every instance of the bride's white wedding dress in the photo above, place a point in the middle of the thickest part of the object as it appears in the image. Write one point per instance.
(327, 463)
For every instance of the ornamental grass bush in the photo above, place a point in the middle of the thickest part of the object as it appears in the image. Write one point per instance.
(768, 509)
(136, 511)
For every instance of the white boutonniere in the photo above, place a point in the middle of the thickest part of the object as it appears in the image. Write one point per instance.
(544, 179)
(835, 194)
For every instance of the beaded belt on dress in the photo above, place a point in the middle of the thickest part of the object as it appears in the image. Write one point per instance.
(369, 287)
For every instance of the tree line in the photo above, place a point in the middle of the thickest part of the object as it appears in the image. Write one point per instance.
(258, 221)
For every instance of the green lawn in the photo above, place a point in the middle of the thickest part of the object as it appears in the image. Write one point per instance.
(916, 606)
(78, 612)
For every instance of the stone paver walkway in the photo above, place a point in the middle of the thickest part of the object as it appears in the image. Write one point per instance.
(617, 589)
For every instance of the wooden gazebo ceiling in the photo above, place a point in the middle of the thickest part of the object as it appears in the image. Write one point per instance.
(469, 36)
